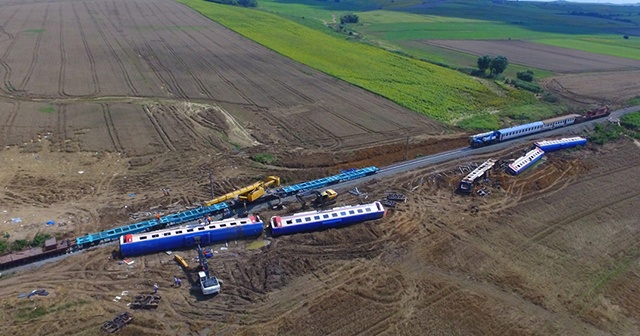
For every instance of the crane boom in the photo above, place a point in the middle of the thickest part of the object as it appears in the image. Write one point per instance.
(249, 193)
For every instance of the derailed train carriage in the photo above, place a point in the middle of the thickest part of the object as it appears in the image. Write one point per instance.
(253, 226)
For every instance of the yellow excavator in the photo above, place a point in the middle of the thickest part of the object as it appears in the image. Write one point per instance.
(321, 200)
(249, 193)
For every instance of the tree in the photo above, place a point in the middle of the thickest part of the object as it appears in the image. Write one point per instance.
(349, 18)
(248, 3)
(626, 37)
(498, 65)
(483, 63)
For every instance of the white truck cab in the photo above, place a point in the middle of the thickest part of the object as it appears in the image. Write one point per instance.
(209, 285)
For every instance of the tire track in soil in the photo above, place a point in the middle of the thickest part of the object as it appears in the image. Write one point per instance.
(577, 216)
(178, 60)
(111, 128)
(175, 89)
(112, 51)
(2, 30)
(161, 132)
(34, 55)
(62, 127)
(92, 62)
(118, 28)
(135, 47)
(7, 69)
(63, 58)
(8, 124)
(204, 64)
(216, 42)
(187, 124)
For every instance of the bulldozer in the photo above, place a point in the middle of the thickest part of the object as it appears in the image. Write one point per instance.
(321, 200)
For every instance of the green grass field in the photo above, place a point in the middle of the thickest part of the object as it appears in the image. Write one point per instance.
(440, 93)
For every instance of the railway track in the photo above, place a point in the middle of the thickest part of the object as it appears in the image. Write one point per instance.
(402, 167)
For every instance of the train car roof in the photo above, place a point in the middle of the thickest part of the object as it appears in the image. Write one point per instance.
(560, 118)
(343, 208)
(520, 127)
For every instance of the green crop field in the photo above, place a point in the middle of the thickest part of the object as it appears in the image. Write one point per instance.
(440, 93)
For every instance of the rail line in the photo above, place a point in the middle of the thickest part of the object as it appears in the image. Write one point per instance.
(344, 180)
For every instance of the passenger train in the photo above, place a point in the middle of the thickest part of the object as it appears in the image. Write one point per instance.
(232, 228)
(505, 134)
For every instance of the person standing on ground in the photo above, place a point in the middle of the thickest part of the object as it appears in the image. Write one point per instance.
(175, 281)
(179, 281)
(155, 288)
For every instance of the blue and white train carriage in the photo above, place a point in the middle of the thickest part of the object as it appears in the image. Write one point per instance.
(181, 237)
(319, 220)
(525, 161)
(488, 138)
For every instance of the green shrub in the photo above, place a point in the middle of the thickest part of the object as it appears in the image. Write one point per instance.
(604, 133)
(631, 120)
(3, 246)
(19, 245)
(526, 76)
(39, 239)
(531, 87)
(264, 158)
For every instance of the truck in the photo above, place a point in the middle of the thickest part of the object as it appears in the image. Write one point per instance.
(209, 284)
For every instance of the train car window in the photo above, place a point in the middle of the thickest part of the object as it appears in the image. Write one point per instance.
(298, 220)
(351, 212)
(335, 214)
(166, 234)
(360, 211)
(155, 236)
(201, 228)
(325, 216)
(316, 217)
(142, 238)
(211, 227)
(223, 225)
(289, 222)
(190, 230)
(179, 232)
(308, 219)
(243, 222)
(342, 213)
(367, 209)
(232, 224)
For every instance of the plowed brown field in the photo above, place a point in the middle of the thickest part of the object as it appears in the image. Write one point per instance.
(76, 54)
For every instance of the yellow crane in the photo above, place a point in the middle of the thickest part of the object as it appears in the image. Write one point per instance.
(248, 193)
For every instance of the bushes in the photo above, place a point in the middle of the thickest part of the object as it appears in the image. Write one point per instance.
(349, 18)
(631, 120)
(526, 76)
(264, 158)
(243, 3)
(520, 84)
(603, 133)
(21, 244)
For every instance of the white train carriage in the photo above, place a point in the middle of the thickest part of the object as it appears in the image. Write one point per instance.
(525, 161)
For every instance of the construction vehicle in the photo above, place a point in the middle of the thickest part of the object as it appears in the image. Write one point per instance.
(321, 199)
(181, 261)
(208, 283)
(249, 193)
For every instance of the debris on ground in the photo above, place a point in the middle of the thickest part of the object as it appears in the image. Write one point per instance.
(40, 292)
(117, 323)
